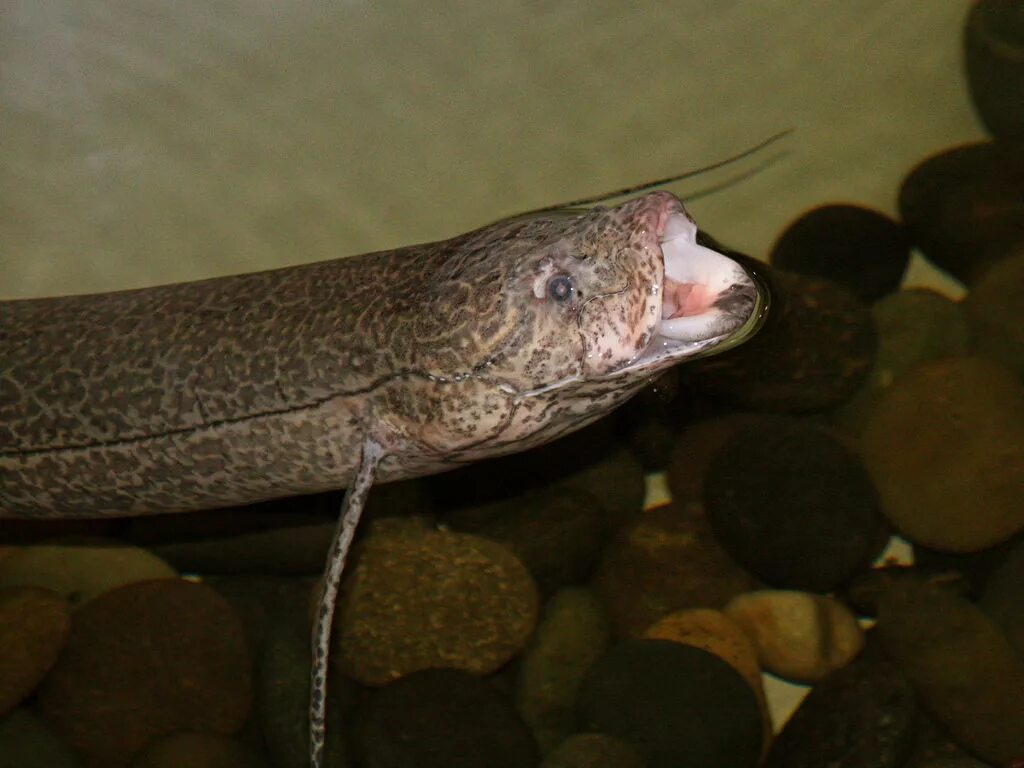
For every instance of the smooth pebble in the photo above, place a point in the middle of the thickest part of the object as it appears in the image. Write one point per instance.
(198, 750)
(861, 249)
(794, 505)
(572, 634)
(675, 704)
(146, 660)
(799, 636)
(79, 570)
(666, 560)
(862, 716)
(422, 599)
(945, 448)
(34, 625)
(443, 718)
(964, 669)
(593, 750)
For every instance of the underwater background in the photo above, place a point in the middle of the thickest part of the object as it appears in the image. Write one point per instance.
(147, 142)
(663, 589)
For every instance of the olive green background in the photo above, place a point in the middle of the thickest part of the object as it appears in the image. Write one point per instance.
(148, 141)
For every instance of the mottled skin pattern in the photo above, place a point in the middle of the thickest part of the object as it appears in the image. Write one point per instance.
(236, 389)
(342, 373)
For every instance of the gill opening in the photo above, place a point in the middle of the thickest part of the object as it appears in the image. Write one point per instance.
(579, 322)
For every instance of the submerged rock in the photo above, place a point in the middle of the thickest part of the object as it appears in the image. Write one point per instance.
(28, 742)
(716, 633)
(695, 448)
(34, 624)
(812, 354)
(593, 750)
(861, 716)
(81, 569)
(945, 448)
(572, 634)
(861, 249)
(265, 601)
(867, 589)
(994, 57)
(794, 505)
(557, 533)
(963, 206)
(146, 660)
(443, 718)
(198, 750)
(798, 636)
(591, 459)
(965, 670)
(675, 704)
(913, 326)
(282, 700)
(417, 600)
(995, 312)
(665, 561)
(932, 747)
(1003, 596)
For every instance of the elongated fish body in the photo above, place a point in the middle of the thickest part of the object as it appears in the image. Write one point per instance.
(236, 389)
(354, 371)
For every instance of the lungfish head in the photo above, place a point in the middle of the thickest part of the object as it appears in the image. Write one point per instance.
(618, 293)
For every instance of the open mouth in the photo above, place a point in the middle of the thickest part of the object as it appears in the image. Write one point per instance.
(708, 300)
(706, 294)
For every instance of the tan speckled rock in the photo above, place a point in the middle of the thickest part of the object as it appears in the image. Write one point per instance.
(34, 624)
(418, 600)
(799, 636)
(79, 570)
(945, 448)
(146, 660)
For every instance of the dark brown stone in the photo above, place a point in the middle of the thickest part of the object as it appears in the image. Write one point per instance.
(994, 56)
(814, 351)
(444, 718)
(794, 505)
(557, 532)
(964, 669)
(676, 704)
(860, 249)
(861, 716)
(146, 660)
(964, 209)
(667, 560)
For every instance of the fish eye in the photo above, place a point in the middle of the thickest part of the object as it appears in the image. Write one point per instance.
(561, 288)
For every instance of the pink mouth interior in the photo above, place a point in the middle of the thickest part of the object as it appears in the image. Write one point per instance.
(685, 299)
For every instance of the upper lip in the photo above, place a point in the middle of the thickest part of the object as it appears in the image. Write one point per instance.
(703, 296)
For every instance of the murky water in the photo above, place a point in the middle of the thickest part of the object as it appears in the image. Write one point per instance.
(148, 142)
